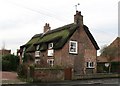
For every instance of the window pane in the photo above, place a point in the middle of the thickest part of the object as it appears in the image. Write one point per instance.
(91, 64)
(87, 64)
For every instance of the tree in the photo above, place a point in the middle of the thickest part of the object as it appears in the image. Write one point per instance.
(10, 62)
(110, 53)
(27, 57)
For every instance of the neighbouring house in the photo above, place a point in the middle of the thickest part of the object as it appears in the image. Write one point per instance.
(112, 55)
(4, 52)
(69, 46)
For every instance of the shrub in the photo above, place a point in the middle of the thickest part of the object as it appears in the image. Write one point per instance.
(22, 71)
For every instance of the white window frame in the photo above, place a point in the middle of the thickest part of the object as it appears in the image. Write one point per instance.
(76, 48)
(37, 61)
(37, 53)
(37, 47)
(48, 61)
(90, 64)
(50, 45)
(23, 52)
(50, 52)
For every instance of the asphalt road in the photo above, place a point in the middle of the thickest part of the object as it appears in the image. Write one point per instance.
(93, 82)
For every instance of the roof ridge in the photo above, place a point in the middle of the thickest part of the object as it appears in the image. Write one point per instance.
(59, 28)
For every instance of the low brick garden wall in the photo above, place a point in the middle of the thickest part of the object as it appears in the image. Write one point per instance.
(55, 74)
(47, 74)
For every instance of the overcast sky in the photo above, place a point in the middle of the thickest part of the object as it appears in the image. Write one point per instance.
(21, 19)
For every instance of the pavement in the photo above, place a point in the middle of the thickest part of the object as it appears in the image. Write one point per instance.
(9, 78)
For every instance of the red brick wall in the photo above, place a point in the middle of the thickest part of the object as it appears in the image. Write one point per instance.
(46, 74)
(86, 52)
(5, 52)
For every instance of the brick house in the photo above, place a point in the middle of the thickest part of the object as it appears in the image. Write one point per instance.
(103, 61)
(4, 52)
(69, 46)
(115, 43)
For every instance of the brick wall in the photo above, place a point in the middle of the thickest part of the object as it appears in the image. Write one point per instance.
(5, 52)
(47, 74)
(86, 51)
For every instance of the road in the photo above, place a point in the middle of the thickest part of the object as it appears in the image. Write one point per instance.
(93, 82)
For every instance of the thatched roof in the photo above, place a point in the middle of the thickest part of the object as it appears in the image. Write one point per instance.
(57, 36)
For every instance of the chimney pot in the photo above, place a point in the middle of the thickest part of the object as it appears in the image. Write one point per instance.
(78, 18)
(46, 27)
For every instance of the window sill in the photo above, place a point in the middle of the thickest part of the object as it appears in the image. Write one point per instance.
(90, 68)
(73, 53)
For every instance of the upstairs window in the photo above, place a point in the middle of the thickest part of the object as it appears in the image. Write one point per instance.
(24, 49)
(37, 47)
(23, 52)
(90, 64)
(37, 53)
(50, 45)
(73, 47)
(50, 52)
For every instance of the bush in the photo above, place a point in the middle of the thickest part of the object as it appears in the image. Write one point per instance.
(32, 68)
(6, 65)
(22, 71)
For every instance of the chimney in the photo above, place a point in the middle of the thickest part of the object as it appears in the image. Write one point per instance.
(78, 18)
(46, 27)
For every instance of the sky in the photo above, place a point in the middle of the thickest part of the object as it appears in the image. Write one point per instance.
(21, 19)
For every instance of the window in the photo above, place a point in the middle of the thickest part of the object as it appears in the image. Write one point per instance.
(23, 52)
(50, 62)
(37, 47)
(37, 53)
(73, 47)
(50, 52)
(50, 45)
(90, 64)
(37, 61)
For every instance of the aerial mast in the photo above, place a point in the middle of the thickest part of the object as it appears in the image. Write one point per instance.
(76, 6)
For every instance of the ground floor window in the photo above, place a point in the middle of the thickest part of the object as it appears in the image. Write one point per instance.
(90, 64)
(50, 62)
(37, 61)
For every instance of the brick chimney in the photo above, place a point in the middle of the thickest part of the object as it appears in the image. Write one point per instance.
(46, 27)
(78, 18)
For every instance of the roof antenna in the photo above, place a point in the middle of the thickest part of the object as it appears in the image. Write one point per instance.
(76, 6)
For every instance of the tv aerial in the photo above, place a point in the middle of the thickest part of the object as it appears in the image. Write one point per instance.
(76, 6)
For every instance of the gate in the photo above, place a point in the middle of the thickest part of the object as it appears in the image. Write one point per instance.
(68, 73)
